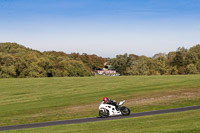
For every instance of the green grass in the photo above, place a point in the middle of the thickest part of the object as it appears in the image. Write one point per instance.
(46, 99)
(182, 122)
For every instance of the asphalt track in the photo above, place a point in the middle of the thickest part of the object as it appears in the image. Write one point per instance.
(94, 119)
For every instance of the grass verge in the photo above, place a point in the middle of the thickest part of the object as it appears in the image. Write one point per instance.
(46, 99)
(182, 122)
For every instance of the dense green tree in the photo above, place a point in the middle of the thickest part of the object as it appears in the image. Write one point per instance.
(160, 64)
(92, 61)
(172, 70)
(180, 58)
(170, 58)
(140, 66)
(191, 69)
(195, 50)
(120, 63)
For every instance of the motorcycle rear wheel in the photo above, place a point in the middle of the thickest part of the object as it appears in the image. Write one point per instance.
(103, 114)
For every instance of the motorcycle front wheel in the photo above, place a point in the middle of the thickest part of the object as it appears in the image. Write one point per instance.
(125, 111)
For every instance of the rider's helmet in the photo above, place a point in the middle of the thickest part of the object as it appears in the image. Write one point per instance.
(105, 99)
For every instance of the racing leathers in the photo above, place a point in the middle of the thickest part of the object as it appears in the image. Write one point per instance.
(112, 102)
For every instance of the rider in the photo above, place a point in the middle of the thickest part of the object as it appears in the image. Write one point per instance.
(110, 101)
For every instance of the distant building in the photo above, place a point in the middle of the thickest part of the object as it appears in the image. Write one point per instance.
(106, 71)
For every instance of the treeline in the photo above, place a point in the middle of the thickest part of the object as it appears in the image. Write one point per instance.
(181, 61)
(19, 61)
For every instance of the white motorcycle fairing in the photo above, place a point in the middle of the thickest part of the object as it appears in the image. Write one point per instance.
(110, 108)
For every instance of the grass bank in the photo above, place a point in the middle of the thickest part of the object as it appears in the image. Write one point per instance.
(46, 99)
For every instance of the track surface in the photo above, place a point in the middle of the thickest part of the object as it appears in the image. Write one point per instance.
(93, 119)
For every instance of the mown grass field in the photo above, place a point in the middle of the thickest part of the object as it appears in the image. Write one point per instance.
(47, 99)
(182, 122)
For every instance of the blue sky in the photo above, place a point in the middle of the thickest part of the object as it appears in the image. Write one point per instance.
(102, 27)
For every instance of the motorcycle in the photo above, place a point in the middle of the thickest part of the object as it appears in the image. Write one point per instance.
(106, 110)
